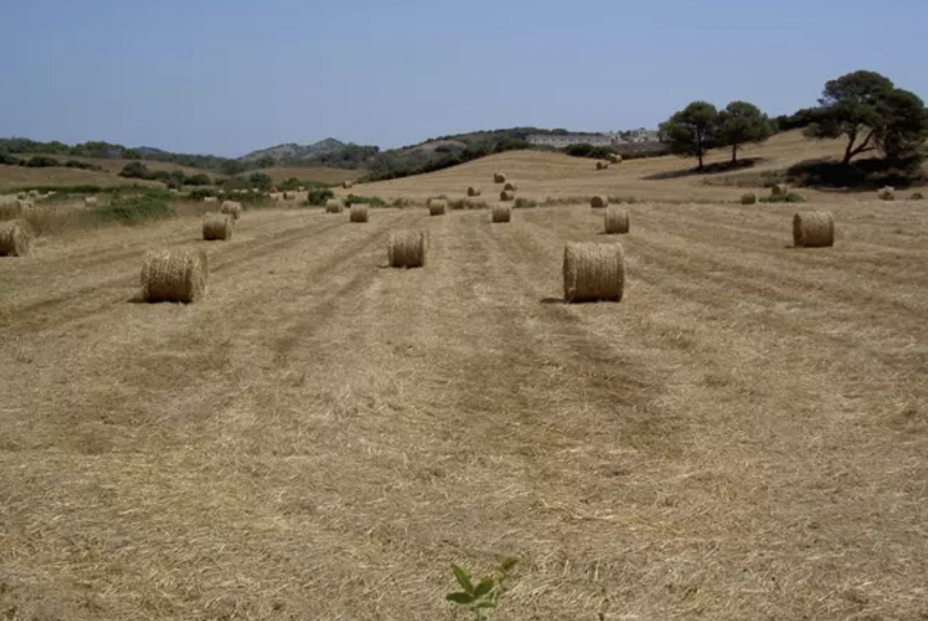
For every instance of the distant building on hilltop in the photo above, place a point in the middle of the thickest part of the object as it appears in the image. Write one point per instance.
(613, 139)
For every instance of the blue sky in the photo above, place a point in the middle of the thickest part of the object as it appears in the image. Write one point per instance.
(231, 76)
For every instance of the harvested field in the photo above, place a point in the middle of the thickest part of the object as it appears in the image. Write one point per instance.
(742, 437)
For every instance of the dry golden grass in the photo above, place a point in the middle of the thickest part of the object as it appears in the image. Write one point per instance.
(743, 437)
(316, 174)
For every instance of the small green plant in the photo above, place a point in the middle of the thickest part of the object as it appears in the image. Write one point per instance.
(135, 209)
(483, 598)
(373, 201)
(318, 196)
(789, 197)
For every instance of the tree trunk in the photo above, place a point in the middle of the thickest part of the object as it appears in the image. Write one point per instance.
(699, 155)
(849, 152)
(734, 153)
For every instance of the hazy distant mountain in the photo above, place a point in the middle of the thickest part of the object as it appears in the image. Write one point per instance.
(292, 151)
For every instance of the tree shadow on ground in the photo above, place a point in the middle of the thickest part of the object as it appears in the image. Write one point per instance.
(711, 169)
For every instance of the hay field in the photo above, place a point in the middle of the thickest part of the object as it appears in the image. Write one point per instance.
(318, 174)
(743, 437)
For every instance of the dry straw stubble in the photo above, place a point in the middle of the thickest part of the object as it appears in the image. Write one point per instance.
(177, 275)
(815, 229)
(599, 201)
(617, 220)
(233, 208)
(501, 213)
(593, 272)
(15, 239)
(218, 226)
(358, 212)
(407, 248)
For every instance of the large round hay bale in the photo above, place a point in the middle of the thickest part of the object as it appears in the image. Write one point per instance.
(23, 205)
(15, 239)
(617, 220)
(407, 248)
(593, 272)
(501, 213)
(437, 206)
(288, 196)
(888, 193)
(33, 193)
(218, 226)
(602, 165)
(779, 189)
(615, 158)
(510, 187)
(358, 212)
(210, 199)
(473, 191)
(90, 201)
(177, 275)
(499, 178)
(233, 208)
(348, 184)
(22, 196)
(815, 229)
(334, 205)
(275, 196)
(599, 201)
(507, 195)
(749, 199)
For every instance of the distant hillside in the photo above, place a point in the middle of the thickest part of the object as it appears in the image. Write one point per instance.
(291, 151)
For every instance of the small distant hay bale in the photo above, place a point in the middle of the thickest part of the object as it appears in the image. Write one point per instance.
(471, 203)
(218, 226)
(617, 220)
(23, 205)
(501, 213)
(473, 191)
(888, 193)
(602, 165)
(815, 229)
(15, 239)
(348, 184)
(210, 199)
(177, 275)
(499, 178)
(407, 248)
(593, 272)
(22, 196)
(511, 187)
(437, 206)
(33, 193)
(233, 208)
(917, 196)
(507, 195)
(90, 201)
(358, 212)
(275, 196)
(334, 205)
(599, 201)
(779, 189)
(288, 196)
(749, 199)
(301, 188)
(615, 158)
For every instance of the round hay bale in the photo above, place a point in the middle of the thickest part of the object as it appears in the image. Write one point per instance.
(90, 201)
(815, 229)
(288, 196)
(301, 188)
(501, 213)
(233, 208)
(507, 195)
(473, 203)
(334, 205)
(615, 158)
(437, 206)
(617, 220)
(593, 272)
(275, 196)
(15, 238)
(917, 196)
(23, 205)
(177, 275)
(218, 226)
(599, 201)
(749, 198)
(779, 189)
(22, 196)
(499, 178)
(348, 184)
(602, 165)
(473, 191)
(510, 187)
(210, 199)
(358, 212)
(888, 193)
(33, 193)
(407, 248)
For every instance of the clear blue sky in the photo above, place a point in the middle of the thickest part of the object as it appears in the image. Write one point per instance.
(231, 76)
